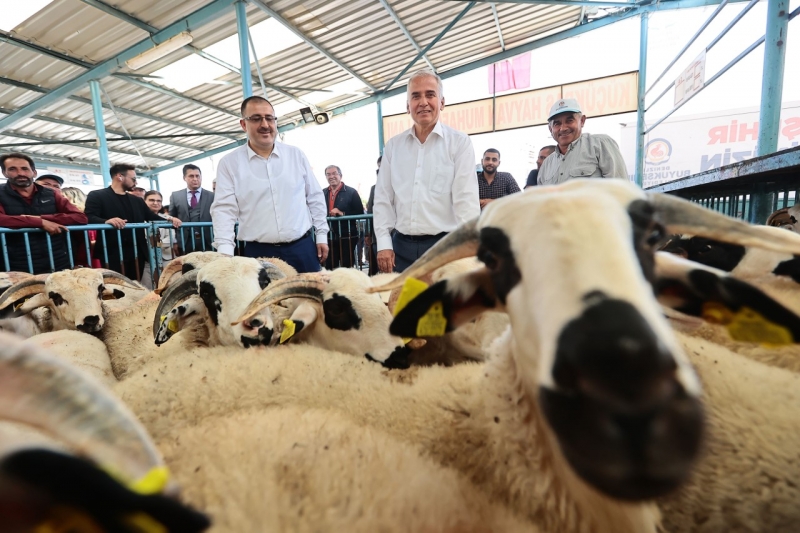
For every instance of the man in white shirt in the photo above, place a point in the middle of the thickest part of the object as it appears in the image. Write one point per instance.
(426, 184)
(270, 189)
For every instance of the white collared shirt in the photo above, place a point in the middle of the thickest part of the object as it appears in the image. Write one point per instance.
(189, 197)
(425, 188)
(274, 199)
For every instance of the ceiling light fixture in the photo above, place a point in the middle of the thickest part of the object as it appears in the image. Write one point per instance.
(159, 51)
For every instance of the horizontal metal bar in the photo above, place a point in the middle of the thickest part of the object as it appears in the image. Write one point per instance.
(41, 141)
(564, 3)
(111, 139)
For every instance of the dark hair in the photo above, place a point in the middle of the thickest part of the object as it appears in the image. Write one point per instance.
(120, 168)
(493, 150)
(254, 99)
(16, 155)
(190, 167)
(551, 147)
(151, 193)
(138, 189)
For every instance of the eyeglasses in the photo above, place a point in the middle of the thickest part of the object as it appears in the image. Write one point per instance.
(256, 119)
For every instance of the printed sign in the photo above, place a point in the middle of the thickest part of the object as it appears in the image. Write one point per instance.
(73, 178)
(600, 97)
(691, 80)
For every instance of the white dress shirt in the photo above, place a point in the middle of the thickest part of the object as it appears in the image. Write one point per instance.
(189, 197)
(274, 199)
(425, 188)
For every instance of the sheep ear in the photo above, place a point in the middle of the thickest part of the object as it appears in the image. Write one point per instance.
(304, 315)
(89, 499)
(113, 294)
(444, 306)
(749, 314)
(36, 301)
(176, 318)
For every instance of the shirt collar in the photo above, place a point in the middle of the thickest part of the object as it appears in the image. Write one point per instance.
(437, 129)
(337, 189)
(572, 145)
(251, 153)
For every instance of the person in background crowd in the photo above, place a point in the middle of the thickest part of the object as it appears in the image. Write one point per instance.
(214, 185)
(491, 183)
(25, 204)
(543, 153)
(426, 185)
(370, 240)
(81, 239)
(192, 204)
(51, 181)
(579, 155)
(270, 188)
(154, 200)
(341, 201)
(138, 191)
(114, 206)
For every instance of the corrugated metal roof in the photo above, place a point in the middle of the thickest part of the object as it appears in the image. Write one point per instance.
(360, 34)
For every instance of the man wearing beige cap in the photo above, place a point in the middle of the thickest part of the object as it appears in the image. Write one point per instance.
(579, 155)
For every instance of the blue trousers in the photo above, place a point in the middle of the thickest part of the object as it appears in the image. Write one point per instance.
(408, 249)
(302, 255)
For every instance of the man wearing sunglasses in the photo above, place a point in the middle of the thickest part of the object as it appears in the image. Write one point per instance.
(270, 189)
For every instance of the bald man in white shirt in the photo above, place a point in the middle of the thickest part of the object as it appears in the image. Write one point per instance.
(426, 185)
(270, 189)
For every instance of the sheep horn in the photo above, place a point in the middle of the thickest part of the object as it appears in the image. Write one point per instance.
(115, 278)
(463, 242)
(176, 293)
(8, 279)
(308, 286)
(273, 271)
(21, 290)
(683, 216)
(173, 268)
(39, 390)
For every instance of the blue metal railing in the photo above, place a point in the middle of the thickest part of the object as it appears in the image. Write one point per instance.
(345, 241)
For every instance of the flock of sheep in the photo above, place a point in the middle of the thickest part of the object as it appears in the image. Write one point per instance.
(545, 368)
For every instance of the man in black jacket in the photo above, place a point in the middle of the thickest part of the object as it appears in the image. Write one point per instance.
(116, 207)
(25, 204)
(341, 201)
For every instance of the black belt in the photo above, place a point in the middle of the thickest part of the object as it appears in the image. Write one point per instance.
(420, 238)
(305, 236)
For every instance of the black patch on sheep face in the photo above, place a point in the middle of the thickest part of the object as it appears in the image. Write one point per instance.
(186, 268)
(722, 255)
(623, 420)
(56, 298)
(209, 296)
(100, 290)
(263, 339)
(405, 323)
(118, 293)
(398, 359)
(90, 324)
(648, 235)
(339, 313)
(790, 268)
(495, 252)
(76, 483)
(263, 278)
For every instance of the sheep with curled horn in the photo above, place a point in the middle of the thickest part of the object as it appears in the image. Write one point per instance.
(207, 301)
(73, 457)
(333, 310)
(68, 299)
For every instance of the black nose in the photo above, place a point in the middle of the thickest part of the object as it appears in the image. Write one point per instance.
(90, 323)
(623, 420)
(397, 359)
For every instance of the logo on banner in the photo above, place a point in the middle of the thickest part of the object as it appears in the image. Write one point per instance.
(657, 152)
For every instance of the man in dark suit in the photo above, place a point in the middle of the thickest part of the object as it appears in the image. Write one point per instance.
(116, 207)
(341, 200)
(192, 204)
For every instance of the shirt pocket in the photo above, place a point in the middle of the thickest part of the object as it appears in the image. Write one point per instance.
(442, 177)
(584, 171)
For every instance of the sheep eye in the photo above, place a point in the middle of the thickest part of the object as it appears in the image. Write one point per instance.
(488, 258)
(56, 298)
(100, 290)
(656, 236)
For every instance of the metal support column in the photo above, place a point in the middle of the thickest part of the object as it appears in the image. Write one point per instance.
(380, 128)
(771, 96)
(641, 90)
(100, 130)
(244, 48)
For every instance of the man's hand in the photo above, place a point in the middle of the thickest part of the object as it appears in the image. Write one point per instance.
(486, 201)
(116, 222)
(53, 228)
(322, 252)
(176, 222)
(335, 213)
(386, 260)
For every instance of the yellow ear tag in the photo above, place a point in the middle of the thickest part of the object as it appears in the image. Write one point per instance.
(152, 482)
(288, 330)
(747, 325)
(145, 523)
(433, 323)
(411, 289)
